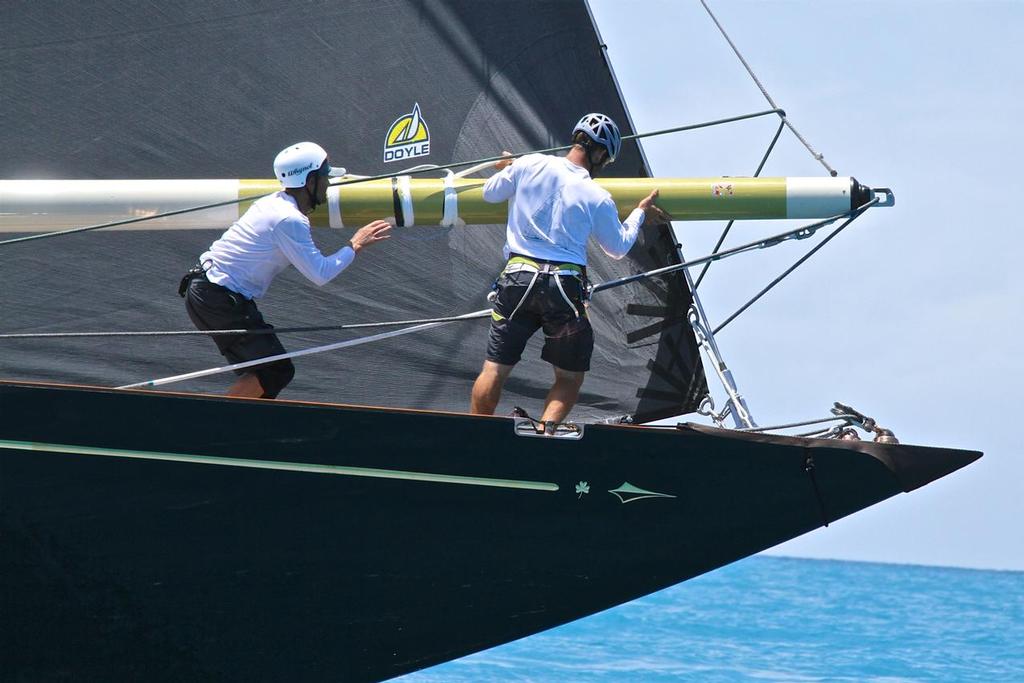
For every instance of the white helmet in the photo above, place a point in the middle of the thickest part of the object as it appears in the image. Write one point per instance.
(602, 130)
(294, 163)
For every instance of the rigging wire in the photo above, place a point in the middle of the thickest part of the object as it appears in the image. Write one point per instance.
(848, 416)
(769, 242)
(425, 324)
(728, 226)
(480, 163)
(820, 157)
(796, 233)
(856, 214)
(844, 418)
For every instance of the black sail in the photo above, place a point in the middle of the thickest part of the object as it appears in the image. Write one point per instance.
(187, 89)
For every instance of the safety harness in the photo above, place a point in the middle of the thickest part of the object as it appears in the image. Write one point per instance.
(523, 264)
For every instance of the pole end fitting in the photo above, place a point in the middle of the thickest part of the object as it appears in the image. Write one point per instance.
(889, 197)
(862, 194)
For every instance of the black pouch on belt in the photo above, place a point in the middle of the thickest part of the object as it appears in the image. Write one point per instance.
(193, 272)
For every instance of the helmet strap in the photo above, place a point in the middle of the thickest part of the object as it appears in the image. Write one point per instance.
(592, 151)
(313, 203)
(304, 196)
(311, 193)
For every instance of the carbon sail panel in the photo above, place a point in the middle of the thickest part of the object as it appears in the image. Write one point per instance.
(214, 89)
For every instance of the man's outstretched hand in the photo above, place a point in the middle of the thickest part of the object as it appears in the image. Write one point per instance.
(507, 161)
(653, 212)
(371, 233)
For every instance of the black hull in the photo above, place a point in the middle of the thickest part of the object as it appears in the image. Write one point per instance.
(128, 568)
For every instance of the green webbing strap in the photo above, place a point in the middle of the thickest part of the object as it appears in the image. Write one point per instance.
(530, 263)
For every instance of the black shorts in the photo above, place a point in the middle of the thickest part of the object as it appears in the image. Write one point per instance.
(568, 337)
(213, 307)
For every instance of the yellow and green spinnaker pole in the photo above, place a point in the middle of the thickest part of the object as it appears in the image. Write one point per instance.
(39, 205)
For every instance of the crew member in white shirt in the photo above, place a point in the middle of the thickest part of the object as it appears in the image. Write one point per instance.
(554, 206)
(238, 268)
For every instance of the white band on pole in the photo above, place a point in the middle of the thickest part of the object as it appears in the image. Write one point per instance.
(814, 197)
(304, 352)
(451, 202)
(334, 207)
(405, 196)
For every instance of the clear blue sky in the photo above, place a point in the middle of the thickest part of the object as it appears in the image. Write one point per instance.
(914, 313)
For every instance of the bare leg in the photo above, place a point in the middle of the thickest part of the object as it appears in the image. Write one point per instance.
(487, 388)
(563, 395)
(247, 385)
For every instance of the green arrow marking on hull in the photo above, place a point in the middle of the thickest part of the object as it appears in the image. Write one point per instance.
(627, 493)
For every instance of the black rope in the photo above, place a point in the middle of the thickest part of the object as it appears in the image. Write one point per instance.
(809, 468)
(728, 227)
(384, 176)
(859, 212)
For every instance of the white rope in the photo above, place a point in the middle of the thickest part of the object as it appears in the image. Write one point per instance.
(305, 352)
(474, 169)
(818, 156)
(198, 333)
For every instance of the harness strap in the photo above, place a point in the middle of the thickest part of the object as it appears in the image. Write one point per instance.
(526, 295)
(522, 264)
(561, 290)
(518, 264)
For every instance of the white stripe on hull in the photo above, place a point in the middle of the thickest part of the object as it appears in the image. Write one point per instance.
(313, 468)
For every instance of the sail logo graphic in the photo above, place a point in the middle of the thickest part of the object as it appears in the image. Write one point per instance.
(408, 137)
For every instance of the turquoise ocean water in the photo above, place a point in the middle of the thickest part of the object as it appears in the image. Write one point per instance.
(783, 619)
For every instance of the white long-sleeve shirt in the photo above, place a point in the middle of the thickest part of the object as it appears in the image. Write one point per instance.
(554, 206)
(272, 234)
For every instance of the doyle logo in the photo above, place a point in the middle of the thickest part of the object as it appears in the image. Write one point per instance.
(408, 137)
